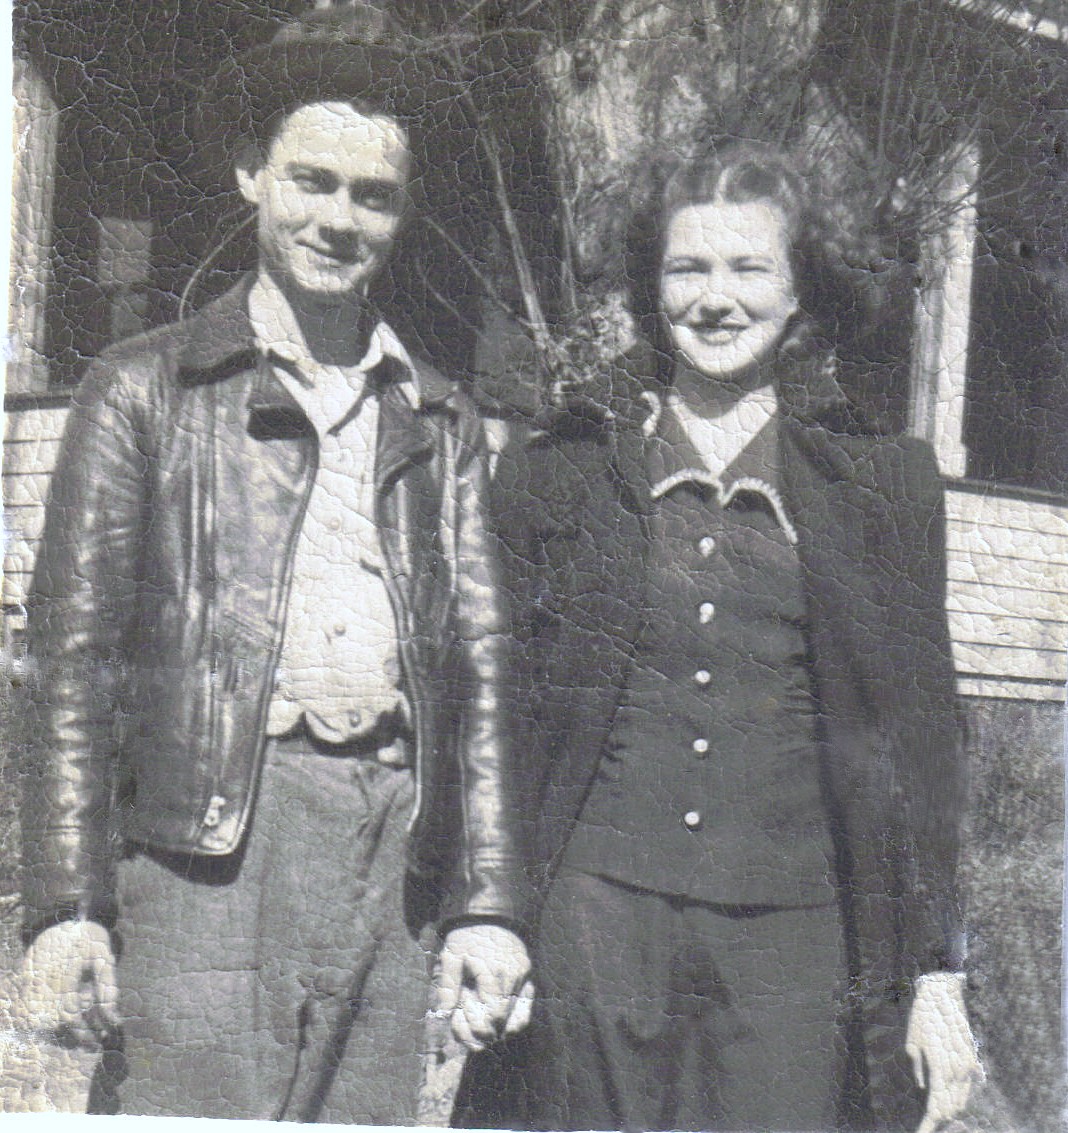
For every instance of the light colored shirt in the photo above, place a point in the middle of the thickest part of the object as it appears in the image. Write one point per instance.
(339, 668)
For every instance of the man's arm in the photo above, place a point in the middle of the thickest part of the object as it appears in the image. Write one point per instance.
(485, 966)
(83, 593)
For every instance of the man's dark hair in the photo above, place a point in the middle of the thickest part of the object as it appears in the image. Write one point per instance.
(265, 119)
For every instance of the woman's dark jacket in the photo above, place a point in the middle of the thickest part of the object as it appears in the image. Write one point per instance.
(573, 503)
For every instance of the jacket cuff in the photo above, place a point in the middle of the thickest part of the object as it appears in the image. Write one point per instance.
(37, 921)
(940, 936)
(515, 927)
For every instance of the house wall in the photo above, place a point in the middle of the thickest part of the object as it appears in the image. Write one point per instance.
(32, 436)
(1008, 593)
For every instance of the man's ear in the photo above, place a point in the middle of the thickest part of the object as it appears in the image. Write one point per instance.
(246, 165)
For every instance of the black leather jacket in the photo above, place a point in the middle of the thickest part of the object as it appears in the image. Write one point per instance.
(159, 605)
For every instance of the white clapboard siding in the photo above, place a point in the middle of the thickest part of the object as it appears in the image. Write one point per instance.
(976, 565)
(31, 446)
(1008, 594)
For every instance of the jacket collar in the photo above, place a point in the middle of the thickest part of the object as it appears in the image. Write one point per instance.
(810, 399)
(673, 460)
(220, 341)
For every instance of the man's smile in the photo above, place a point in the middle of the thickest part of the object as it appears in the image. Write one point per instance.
(343, 256)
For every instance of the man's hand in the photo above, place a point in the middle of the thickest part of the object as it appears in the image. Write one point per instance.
(485, 984)
(943, 1052)
(68, 987)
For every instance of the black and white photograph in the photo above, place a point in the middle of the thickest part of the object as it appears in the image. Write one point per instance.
(535, 564)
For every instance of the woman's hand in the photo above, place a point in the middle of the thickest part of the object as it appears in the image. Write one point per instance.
(69, 992)
(940, 1044)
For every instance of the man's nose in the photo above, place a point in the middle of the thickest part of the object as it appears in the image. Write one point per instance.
(339, 215)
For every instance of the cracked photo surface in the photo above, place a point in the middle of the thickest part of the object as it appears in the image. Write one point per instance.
(535, 581)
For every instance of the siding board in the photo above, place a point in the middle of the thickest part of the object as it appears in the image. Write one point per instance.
(1008, 594)
(974, 511)
(1008, 543)
(998, 630)
(1004, 661)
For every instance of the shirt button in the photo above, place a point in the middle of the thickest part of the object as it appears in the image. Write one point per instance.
(355, 716)
(700, 746)
(705, 612)
(334, 524)
(692, 820)
(339, 630)
(702, 677)
(705, 546)
(214, 813)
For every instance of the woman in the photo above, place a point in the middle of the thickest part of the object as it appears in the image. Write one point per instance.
(741, 708)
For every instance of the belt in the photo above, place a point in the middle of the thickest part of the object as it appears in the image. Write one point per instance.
(390, 742)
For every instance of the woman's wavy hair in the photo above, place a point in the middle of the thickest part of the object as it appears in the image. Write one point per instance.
(737, 172)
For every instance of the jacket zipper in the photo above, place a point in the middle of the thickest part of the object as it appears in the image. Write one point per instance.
(281, 613)
(402, 618)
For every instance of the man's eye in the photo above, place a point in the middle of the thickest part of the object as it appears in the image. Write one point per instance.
(376, 202)
(313, 183)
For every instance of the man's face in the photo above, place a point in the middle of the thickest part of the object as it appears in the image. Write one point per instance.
(331, 198)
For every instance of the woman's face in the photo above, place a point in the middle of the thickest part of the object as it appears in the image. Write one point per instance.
(726, 284)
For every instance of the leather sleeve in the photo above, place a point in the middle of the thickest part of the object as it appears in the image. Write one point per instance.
(494, 857)
(84, 593)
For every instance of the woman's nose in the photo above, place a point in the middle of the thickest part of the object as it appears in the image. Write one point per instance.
(713, 292)
(714, 304)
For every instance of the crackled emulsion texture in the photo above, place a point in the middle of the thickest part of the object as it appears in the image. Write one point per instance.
(482, 503)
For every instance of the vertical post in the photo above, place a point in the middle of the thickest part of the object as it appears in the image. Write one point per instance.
(941, 322)
(1064, 907)
(36, 125)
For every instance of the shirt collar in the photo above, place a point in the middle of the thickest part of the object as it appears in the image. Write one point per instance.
(326, 393)
(753, 460)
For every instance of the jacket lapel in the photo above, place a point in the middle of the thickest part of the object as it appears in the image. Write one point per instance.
(403, 438)
(828, 490)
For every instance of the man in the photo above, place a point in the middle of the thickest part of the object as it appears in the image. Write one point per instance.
(268, 642)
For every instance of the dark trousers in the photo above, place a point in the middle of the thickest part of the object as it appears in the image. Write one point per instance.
(281, 982)
(657, 1013)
